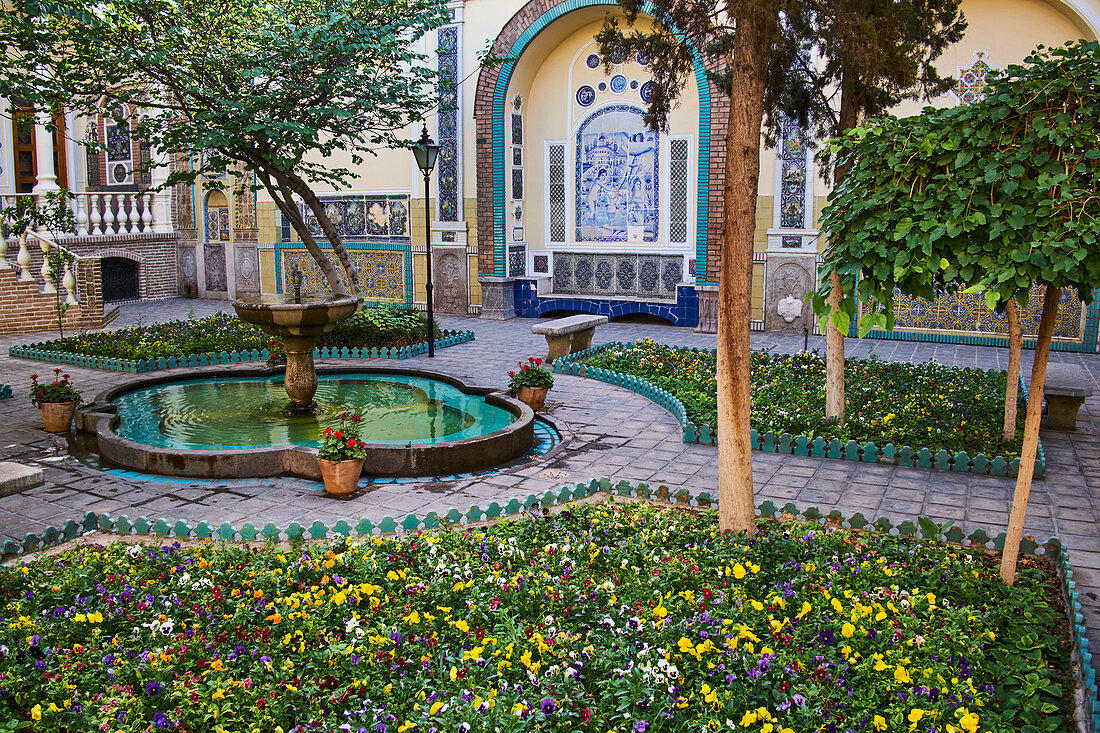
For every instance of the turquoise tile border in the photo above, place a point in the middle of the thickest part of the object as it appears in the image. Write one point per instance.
(5, 391)
(404, 247)
(500, 255)
(799, 445)
(518, 505)
(139, 366)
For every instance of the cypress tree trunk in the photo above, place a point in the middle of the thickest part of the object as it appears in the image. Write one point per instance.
(1031, 437)
(1015, 343)
(748, 71)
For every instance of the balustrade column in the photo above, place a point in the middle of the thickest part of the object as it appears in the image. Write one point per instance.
(24, 260)
(43, 157)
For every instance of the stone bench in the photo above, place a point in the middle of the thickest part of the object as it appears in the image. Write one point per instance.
(568, 335)
(1065, 390)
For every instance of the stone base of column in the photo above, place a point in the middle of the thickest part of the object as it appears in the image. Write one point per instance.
(498, 298)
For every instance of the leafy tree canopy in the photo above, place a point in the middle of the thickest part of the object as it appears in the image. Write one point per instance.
(994, 196)
(276, 86)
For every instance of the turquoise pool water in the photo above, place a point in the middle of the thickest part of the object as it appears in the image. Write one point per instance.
(248, 412)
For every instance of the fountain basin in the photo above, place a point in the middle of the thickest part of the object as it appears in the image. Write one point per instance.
(214, 424)
(281, 316)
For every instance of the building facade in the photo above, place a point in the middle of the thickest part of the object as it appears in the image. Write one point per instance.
(550, 195)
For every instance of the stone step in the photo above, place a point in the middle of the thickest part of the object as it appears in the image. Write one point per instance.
(15, 478)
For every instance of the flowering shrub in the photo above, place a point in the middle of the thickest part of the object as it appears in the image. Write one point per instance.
(61, 389)
(919, 405)
(342, 443)
(610, 617)
(386, 326)
(530, 374)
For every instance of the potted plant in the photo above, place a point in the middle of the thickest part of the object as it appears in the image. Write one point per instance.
(531, 382)
(56, 400)
(341, 455)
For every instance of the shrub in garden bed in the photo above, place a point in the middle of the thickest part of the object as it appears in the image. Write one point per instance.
(927, 405)
(385, 326)
(612, 617)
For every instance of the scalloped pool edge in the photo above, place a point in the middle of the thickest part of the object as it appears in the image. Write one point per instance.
(786, 443)
(1081, 657)
(140, 366)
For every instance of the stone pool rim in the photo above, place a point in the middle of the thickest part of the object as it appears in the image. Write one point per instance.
(100, 418)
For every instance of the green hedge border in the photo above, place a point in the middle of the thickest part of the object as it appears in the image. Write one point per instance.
(5, 391)
(979, 538)
(786, 443)
(139, 366)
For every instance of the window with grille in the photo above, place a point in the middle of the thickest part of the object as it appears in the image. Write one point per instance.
(555, 190)
(678, 190)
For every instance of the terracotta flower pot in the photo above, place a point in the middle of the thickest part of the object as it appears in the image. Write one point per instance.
(57, 416)
(341, 477)
(533, 397)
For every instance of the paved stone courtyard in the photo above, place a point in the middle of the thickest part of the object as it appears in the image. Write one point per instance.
(611, 432)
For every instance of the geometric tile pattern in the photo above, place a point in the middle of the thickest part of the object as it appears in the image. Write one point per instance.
(555, 195)
(649, 277)
(678, 188)
(382, 273)
(971, 83)
(956, 310)
(792, 194)
(364, 216)
(517, 260)
(447, 54)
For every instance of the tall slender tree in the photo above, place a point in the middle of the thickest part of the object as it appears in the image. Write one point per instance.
(875, 54)
(750, 46)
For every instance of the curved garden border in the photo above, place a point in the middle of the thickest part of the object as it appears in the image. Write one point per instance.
(769, 442)
(161, 528)
(5, 391)
(139, 366)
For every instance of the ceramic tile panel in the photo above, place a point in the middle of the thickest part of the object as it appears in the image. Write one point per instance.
(361, 217)
(447, 54)
(517, 261)
(382, 273)
(792, 192)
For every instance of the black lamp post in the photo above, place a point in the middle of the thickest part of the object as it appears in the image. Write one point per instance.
(425, 152)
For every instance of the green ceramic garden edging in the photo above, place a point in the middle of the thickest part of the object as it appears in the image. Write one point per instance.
(799, 445)
(5, 391)
(139, 366)
(52, 537)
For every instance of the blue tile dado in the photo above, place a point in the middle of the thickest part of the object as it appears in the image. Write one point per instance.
(685, 311)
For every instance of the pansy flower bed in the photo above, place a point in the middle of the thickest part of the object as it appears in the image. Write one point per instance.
(384, 326)
(920, 405)
(604, 617)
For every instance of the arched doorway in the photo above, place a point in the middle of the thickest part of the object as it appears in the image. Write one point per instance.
(120, 278)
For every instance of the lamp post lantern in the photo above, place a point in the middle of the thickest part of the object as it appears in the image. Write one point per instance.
(426, 151)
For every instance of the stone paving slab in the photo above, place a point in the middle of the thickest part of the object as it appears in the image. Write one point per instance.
(614, 432)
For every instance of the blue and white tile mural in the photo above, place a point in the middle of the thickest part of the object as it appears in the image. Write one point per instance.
(616, 177)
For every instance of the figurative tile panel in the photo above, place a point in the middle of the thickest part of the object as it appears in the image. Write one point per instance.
(960, 311)
(792, 194)
(217, 224)
(447, 54)
(382, 273)
(628, 275)
(118, 141)
(616, 177)
(369, 216)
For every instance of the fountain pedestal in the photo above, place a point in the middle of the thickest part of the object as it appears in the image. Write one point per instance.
(297, 324)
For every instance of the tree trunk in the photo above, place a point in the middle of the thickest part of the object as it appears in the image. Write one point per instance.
(1031, 436)
(286, 205)
(835, 396)
(834, 357)
(748, 74)
(1015, 343)
(309, 198)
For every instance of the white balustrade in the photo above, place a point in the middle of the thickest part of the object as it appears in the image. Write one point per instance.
(24, 260)
(4, 254)
(135, 215)
(95, 219)
(110, 213)
(147, 213)
(81, 202)
(47, 285)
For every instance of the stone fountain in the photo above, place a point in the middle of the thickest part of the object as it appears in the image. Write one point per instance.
(297, 322)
